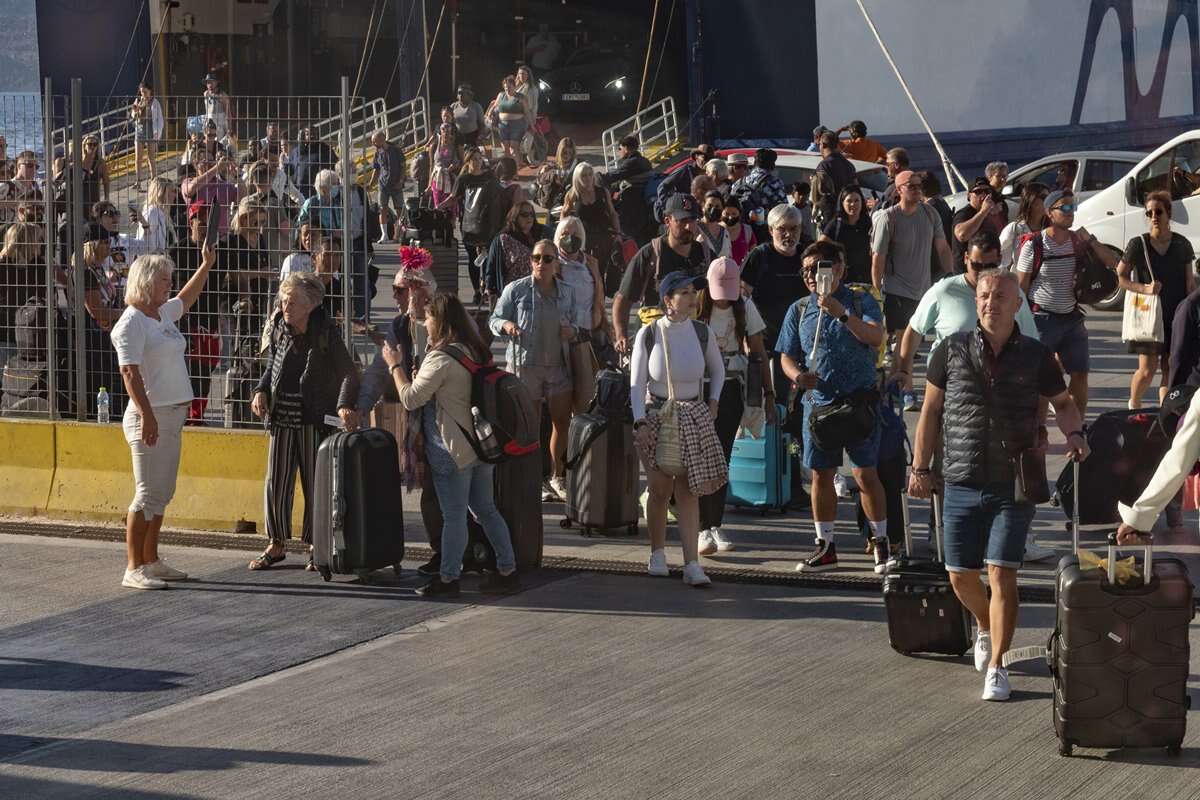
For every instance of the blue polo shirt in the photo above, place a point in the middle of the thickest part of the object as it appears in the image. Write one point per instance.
(843, 364)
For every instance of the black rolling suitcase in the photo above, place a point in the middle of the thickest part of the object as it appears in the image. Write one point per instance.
(1119, 655)
(923, 613)
(602, 475)
(518, 495)
(358, 522)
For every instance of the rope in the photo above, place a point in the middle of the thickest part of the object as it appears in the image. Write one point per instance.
(663, 52)
(369, 50)
(132, 34)
(412, 10)
(646, 66)
(947, 164)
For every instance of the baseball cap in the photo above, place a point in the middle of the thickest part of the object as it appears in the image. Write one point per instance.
(681, 206)
(197, 208)
(724, 279)
(1054, 197)
(705, 149)
(980, 185)
(740, 159)
(211, 77)
(672, 282)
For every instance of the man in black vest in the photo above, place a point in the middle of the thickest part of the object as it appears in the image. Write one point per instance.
(412, 291)
(983, 386)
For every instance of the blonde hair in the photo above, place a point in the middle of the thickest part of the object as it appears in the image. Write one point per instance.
(89, 251)
(139, 285)
(19, 239)
(156, 192)
(581, 169)
(307, 284)
(470, 159)
(563, 144)
(570, 225)
(246, 207)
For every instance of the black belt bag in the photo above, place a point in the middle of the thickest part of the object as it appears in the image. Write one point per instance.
(846, 422)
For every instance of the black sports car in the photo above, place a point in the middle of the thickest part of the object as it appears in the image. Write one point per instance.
(593, 81)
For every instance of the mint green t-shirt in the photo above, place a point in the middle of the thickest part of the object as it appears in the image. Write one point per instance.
(949, 307)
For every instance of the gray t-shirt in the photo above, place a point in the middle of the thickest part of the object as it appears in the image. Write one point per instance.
(547, 324)
(906, 242)
(468, 118)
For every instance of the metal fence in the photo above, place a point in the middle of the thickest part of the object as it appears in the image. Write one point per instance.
(90, 184)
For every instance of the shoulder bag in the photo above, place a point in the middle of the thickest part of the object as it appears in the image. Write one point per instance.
(1143, 318)
(668, 453)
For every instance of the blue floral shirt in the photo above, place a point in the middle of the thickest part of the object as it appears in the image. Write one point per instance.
(843, 364)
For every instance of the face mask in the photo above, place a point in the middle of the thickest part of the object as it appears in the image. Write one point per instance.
(569, 243)
(712, 214)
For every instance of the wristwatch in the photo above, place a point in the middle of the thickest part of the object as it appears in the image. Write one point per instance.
(845, 317)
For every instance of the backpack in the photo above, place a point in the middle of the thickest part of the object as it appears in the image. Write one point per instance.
(612, 396)
(1093, 280)
(502, 400)
(857, 290)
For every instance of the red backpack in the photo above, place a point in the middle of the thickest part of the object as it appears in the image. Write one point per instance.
(502, 402)
(1093, 280)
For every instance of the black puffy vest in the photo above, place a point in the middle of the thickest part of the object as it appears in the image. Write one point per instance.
(991, 406)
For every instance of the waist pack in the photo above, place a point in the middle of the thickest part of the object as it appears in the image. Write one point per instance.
(505, 405)
(845, 422)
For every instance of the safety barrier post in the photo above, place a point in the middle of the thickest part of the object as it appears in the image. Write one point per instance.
(51, 258)
(347, 245)
(76, 202)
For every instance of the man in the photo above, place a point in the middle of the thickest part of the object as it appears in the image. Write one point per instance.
(701, 186)
(773, 271)
(895, 162)
(985, 212)
(859, 147)
(948, 308)
(815, 145)
(834, 173)
(389, 171)
(269, 144)
(630, 162)
(759, 191)
(210, 185)
(412, 290)
(677, 251)
(838, 363)
(211, 147)
(1064, 177)
(680, 181)
(358, 236)
(628, 178)
(996, 173)
(905, 235)
(1047, 266)
(982, 393)
(739, 167)
(1185, 343)
(798, 193)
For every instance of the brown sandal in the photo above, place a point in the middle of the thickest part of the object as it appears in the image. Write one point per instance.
(266, 561)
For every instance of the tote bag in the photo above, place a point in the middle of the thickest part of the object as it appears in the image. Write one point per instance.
(669, 451)
(1143, 319)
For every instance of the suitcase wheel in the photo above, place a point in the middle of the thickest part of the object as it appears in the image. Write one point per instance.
(326, 574)
(1065, 748)
(396, 569)
(586, 531)
(565, 523)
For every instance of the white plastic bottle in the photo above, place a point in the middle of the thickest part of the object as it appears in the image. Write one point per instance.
(102, 406)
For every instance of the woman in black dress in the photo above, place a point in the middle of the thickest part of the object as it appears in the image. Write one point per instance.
(1168, 275)
(851, 228)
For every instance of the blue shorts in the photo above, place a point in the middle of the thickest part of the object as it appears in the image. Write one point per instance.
(863, 455)
(396, 196)
(513, 130)
(1066, 336)
(984, 526)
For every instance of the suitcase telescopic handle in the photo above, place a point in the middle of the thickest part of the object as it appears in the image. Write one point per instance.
(1075, 507)
(936, 510)
(908, 542)
(1148, 558)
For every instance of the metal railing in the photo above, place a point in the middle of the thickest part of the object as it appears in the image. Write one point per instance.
(656, 127)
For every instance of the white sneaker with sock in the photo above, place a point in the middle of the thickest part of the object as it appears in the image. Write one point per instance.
(1035, 552)
(658, 564)
(706, 544)
(138, 579)
(559, 485)
(983, 650)
(722, 541)
(995, 685)
(693, 575)
(841, 486)
(164, 571)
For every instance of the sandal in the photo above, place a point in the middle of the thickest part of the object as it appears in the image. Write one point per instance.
(266, 560)
(310, 566)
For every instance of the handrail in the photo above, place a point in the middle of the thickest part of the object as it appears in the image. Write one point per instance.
(656, 127)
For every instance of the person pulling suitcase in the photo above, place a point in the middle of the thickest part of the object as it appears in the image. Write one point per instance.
(983, 388)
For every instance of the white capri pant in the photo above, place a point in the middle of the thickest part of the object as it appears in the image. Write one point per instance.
(156, 468)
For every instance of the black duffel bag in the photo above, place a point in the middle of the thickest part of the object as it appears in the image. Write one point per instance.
(846, 422)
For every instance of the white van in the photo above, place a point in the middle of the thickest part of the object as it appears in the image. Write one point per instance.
(1115, 215)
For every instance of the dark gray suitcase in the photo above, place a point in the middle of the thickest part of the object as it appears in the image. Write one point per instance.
(518, 495)
(602, 475)
(358, 521)
(1119, 655)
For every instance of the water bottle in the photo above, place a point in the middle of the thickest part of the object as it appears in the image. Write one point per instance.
(486, 436)
(230, 381)
(102, 406)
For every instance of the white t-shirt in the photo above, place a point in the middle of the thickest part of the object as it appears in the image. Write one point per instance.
(724, 326)
(296, 262)
(155, 346)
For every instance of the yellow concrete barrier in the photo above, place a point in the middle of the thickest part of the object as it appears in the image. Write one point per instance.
(26, 465)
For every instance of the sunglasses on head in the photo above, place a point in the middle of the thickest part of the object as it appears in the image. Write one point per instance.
(543, 258)
(1156, 212)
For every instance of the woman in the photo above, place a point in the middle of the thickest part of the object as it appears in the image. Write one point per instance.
(555, 177)
(738, 329)
(92, 167)
(704, 469)
(156, 230)
(512, 112)
(1168, 275)
(509, 254)
(443, 157)
(147, 116)
(711, 232)
(741, 235)
(308, 376)
(537, 315)
(22, 278)
(579, 270)
(468, 116)
(301, 259)
(527, 87)
(594, 206)
(475, 191)
(442, 388)
(718, 170)
(851, 228)
(102, 302)
(150, 351)
(1031, 217)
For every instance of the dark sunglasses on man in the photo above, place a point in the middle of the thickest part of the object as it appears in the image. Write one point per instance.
(980, 266)
(543, 258)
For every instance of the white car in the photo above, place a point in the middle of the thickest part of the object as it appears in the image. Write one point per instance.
(1115, 215)
(1095, 170)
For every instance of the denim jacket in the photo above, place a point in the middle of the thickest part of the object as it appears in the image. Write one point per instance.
(516, 304)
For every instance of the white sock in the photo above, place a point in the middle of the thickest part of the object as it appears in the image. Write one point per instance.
(824, 531)
(878, 529)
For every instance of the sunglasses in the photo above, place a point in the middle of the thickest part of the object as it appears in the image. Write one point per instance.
(525, 215)
(1066, 208)
(731, 220)
(979, 266)
(543, 258)
(1156, 212)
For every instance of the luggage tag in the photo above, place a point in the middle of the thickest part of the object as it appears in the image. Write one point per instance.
(334, 422)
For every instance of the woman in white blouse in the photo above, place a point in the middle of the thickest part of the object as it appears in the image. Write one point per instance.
(156, 231)
(695, 380)
(150, 350)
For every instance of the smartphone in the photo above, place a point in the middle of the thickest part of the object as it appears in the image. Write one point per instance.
(212, 227)
(824, 277)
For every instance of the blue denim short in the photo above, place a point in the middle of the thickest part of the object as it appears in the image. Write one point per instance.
(863, 455)
(513, 130)
(984, 526)
(1066, 336)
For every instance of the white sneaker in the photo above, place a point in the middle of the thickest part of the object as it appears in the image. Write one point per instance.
(723, 543)
(995, 685)
(548, 493)
(164, 571)
(383, 239)
(1035, 552)
(694, 576)
(138, 579)
(559, 485)
(706, 545)
(983, 651)
(657, 567)
(841, 486)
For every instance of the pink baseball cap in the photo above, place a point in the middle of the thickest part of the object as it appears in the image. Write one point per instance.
(724, 279)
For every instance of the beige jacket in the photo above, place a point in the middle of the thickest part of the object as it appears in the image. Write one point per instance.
(447, 383)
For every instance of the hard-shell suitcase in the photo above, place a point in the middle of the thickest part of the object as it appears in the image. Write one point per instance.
(760, 470)
(358, 521)
(602, 475)
(923, 613)
(518, 495)
(1119, 655)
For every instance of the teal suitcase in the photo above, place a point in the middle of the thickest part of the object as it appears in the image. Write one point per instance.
(760, 470)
